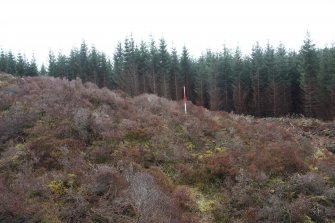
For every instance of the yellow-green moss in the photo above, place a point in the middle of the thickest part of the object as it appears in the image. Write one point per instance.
(19, 155)
(2, 83)
(319, 153)
(139, 135)
(273, 181)
(205, 203)
(308, 219)
(169, 169)
(190, 146)
(57, 187)
(313, 168)
(212, 152)
(220, 149)
(329, 180)
(20, 147)
(70, 180)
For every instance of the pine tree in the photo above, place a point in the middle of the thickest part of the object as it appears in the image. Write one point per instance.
(225, 80)
(43, 71)
(325, 85)
(3, 61)
(129, 75)
(52, 64)
(213, 90)
(154, 62)
(61, 66)
(201, 81)
(21, 66)
(118, 66)
(248, 85)
(185, 69)
(93, 66)
(163, 69)
(143, 61)
(239, 83)
(11, 63)
(295, 87)
(125, 72)
(175, 79)
(104, 70)
(284, 82)
(109, 69)
(83, 62)
(258, 81)
(32, 67)
(273, 88)
(74, 64)
(308, 69)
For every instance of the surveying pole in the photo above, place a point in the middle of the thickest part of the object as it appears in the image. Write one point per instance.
(185, 99)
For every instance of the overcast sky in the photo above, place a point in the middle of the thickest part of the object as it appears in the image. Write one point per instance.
(36, 26)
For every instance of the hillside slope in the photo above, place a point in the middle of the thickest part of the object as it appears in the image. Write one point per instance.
(71, 152)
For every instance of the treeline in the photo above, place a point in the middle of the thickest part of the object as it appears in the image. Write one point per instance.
(17, 65)
(87, 64)
(269, 82)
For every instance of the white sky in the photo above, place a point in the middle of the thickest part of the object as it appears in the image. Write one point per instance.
(35, 26)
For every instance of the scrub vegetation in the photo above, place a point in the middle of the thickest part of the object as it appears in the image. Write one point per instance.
(74, 152)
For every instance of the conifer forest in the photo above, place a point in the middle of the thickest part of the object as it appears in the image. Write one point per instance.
(98, 138)
(270, 81)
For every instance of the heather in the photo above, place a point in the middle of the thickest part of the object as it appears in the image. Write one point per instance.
(73, 152)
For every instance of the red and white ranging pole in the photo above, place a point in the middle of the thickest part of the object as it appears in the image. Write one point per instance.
(185, 99)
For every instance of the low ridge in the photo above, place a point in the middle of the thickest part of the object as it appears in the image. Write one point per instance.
(72, 152)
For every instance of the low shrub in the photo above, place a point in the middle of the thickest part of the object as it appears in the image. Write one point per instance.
(183, 198)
